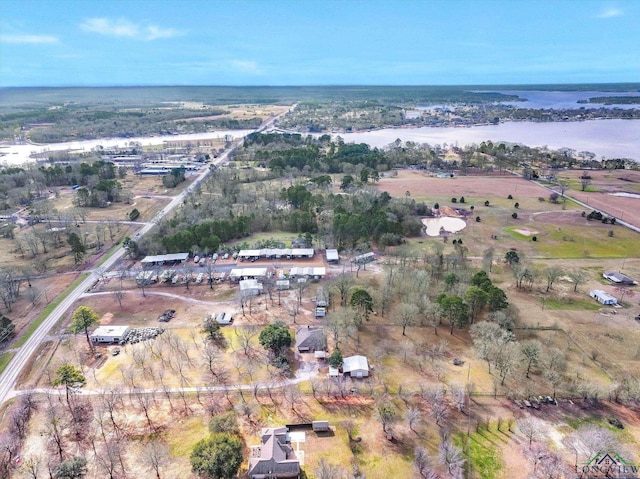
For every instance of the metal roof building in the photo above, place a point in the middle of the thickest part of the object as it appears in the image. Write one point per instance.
(332, 256)
(356, 366)
(164, 258)
(108, 334)
(237, 274)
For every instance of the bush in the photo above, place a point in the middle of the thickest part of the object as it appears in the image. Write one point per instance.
(436, 206)
(510, 197)
(218, 456)
(478, 220)
(517, 205)
(335, 360)
(610, 233)
(226, 422)
(454, 200)
(134, 215)
(486, 203)
(514, 215)
(534, 238)
(462, 199)
(541, 199)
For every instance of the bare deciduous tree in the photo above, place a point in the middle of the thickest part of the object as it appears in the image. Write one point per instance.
(155, 456)
(530, 427)
(452, 457)
(422, 464)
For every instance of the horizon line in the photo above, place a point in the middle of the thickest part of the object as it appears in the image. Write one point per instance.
(327, 85)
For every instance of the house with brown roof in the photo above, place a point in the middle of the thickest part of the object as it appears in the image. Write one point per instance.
(274, 458)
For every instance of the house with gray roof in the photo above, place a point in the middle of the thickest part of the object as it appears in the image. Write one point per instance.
(310, 339)
(619, 278)
(274, 458)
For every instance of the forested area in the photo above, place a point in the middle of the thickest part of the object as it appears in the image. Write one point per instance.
(21, 187)
(68, 123)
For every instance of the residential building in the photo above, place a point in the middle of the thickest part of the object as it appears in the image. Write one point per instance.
(274, 458)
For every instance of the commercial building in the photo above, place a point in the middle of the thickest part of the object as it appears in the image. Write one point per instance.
(108, 334)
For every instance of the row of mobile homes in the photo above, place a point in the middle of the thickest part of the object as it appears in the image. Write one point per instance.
(164, 259)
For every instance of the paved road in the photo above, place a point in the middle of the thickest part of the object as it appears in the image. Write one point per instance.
(10, 375)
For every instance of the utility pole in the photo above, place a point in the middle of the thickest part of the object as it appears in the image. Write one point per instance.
(469, 421)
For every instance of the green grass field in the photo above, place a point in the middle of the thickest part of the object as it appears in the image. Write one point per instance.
(571, 304)
(485, 459)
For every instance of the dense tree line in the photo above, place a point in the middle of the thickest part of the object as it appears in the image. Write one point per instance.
(69, 122)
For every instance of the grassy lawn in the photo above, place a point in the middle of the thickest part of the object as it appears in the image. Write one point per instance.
(581, 242)
(485, 460)
(47, 311)
(576, 423)
(4, 360)
(571, 304)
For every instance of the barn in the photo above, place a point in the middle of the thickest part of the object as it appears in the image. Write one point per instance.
(356, 366)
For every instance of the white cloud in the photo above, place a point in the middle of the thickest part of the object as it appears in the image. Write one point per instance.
(123, 28)
(609, 13)
(245, 66)
(34, 39)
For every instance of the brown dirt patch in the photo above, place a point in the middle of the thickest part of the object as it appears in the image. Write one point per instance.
(419, 184)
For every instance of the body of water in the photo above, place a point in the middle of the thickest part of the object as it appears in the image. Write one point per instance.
(608, 138)
(450, 225)
(562, 100)
(19, 154)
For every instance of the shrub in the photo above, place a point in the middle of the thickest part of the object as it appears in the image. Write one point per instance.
(226, 422)
(534, 238)
(514, 215)
(610, 233)
(541, 199)
(486, 203)
(462, 199)
(517, 205)
(454, 200)
(478, 220)
(436, 206)
(510, 197)
(335, 360)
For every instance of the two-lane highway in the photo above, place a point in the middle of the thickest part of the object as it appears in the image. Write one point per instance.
(10, 375)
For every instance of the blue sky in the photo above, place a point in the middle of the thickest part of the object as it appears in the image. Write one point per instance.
(197, 42)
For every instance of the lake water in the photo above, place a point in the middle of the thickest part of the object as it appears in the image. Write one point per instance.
(560, 100)
(452, 225)
(19, 154)
(608, 138)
